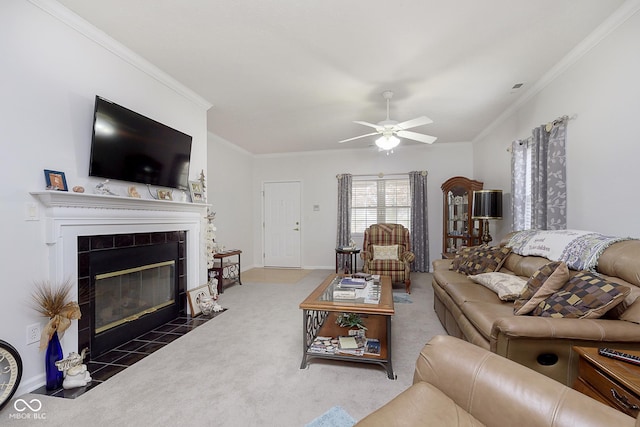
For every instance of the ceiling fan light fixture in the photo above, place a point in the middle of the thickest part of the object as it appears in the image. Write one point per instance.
(387, 142)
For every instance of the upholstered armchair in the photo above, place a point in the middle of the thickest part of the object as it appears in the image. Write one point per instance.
(386, 251)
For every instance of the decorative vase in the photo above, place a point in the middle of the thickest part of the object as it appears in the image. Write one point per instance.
(53, 354)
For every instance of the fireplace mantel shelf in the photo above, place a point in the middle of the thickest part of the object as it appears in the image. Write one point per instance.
(64, 199)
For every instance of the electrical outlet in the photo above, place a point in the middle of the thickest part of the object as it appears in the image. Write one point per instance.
(33, 333)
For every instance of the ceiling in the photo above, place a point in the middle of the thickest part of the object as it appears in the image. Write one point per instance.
(293, 75)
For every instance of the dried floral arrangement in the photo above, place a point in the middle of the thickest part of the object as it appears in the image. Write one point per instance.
(54, 302)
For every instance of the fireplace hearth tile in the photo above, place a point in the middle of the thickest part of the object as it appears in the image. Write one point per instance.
(107, 365)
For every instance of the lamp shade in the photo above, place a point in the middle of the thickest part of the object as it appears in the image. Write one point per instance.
(387, 142)
(487, 204)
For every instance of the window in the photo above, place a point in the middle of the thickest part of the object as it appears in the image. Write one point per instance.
(379, 200)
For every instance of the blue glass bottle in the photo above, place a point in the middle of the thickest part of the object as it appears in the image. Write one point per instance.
(53, 354)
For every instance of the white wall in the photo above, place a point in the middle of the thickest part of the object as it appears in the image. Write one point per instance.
(601, 89)
(317, 171)
(229, 189)
(50, 75)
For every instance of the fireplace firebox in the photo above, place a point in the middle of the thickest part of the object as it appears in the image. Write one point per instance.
(128, 285)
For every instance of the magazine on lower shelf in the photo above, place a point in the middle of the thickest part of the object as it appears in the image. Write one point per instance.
(372, 346)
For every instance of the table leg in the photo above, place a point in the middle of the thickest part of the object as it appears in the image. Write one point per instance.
(305, 318)
(390, 373)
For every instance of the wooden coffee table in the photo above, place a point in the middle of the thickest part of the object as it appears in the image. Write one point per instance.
(319, 312)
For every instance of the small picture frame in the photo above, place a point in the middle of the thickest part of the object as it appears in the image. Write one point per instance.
(165, 195)
(197, 195)
(194, 296)
(55, 180)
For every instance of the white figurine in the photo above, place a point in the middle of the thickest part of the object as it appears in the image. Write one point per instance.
(102, 188)
(75, 372)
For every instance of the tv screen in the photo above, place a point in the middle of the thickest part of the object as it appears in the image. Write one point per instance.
(128, 146)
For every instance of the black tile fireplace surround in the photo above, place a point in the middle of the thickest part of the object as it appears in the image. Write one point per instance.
(138, 248)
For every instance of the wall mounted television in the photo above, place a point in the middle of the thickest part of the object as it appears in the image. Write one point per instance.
(128, 146)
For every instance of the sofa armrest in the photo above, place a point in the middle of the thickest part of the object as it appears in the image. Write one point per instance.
(366, 256)
(497, 391)
(408, 256)
(561, 328)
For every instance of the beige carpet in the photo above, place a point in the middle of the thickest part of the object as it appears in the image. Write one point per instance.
(243, 369)
(274, 275)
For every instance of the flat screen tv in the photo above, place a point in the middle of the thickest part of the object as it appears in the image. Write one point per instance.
(128, 146)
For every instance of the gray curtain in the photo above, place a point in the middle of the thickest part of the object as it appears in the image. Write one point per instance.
(547, 179)
(419, 223)
(344, 213)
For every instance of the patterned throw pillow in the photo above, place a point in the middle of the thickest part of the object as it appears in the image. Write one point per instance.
(385, 252)
(585, 296)
(461, 256)
(507, 286)
(484, 259)
(544, 282)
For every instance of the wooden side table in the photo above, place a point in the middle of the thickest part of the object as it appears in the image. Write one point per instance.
(612, 382)
(227, 271)
(353, 260)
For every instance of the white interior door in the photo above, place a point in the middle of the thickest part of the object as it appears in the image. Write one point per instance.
(282, 228)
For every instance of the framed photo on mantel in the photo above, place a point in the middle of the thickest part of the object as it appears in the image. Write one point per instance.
(197, 195)
(55, 180)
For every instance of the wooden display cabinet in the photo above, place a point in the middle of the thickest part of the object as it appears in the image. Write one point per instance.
(458, 228)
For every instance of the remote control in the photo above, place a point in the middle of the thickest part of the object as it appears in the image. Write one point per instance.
(614, 354)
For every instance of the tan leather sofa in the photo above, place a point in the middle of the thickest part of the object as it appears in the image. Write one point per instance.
(476, 314)
(459, 384)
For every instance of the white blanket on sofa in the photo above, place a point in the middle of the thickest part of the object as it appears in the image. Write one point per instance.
(579, 249)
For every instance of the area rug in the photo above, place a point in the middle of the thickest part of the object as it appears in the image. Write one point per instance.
(334, 417)
(402, 298)
(274, 275)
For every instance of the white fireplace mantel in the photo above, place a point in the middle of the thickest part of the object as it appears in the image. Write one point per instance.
(65, 199)
(70, 215)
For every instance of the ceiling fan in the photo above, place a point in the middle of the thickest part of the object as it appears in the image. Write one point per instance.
(391, 131)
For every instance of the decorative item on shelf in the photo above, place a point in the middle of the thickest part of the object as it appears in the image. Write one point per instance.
(197, 194)
(350, 320)
(78, 189)
(203, 186)
(133, 192)
(103, 188)
(75, 372)
(55, 180)
(487, 204)
(165, 195)
(210, 238)
(53, 302)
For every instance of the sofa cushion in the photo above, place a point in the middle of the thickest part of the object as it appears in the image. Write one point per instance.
(461, 256)
(483, 315)
(462, 292)
(507, 286)
(585, 296)
(385, 252)
(544, 282)
(484, 259)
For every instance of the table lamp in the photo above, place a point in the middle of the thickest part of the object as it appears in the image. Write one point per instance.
(487, 204)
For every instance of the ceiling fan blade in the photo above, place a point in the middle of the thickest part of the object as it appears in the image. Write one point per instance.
(427, 139)
(376, 127)
(418, 121)
(357, 137)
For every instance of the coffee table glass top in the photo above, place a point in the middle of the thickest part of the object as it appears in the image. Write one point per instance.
(322, 298)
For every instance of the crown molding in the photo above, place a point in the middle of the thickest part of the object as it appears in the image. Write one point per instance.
(617, 18)
(88, 30)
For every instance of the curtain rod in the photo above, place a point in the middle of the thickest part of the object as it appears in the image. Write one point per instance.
(382, 175)
(553, 123)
